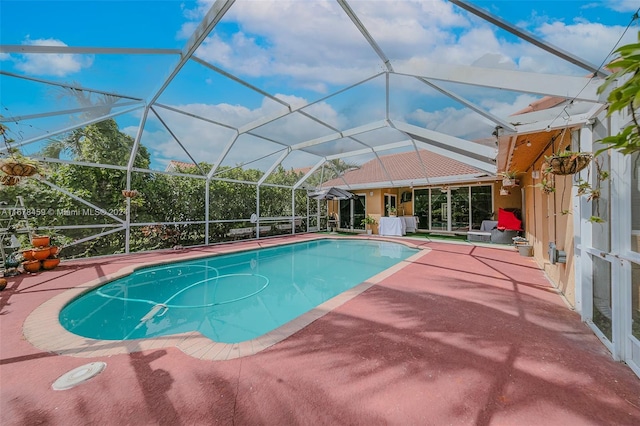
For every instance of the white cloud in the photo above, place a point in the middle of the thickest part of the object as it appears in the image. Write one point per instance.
(494, 60)
(592, 41)
(205, 141)
(283, 46)
(623, 5)
(315, 45)
(455, 122)
(505, 109)
(186, 30)
(59, 65)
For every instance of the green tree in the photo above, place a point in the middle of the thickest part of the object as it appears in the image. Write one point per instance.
(98, 143)
(625, 96)
(162, 199)
(332, 169)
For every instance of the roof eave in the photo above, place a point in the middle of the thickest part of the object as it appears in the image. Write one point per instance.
(434, 181)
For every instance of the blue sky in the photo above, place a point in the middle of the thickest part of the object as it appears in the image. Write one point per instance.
(299, 51)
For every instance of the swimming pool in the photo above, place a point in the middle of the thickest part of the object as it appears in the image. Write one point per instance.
(229, 298)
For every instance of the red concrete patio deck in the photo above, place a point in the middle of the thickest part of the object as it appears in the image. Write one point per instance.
(465, 335)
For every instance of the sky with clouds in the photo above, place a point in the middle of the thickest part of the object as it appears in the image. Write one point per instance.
(296, 51)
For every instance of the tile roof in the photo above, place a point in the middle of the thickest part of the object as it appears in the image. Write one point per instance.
(175, 164)
(406, 166)
(302, 170)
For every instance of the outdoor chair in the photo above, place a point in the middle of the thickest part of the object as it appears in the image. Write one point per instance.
(238, 233)
(484, 234)
(284, 227)
(508, 227)
(503, 236)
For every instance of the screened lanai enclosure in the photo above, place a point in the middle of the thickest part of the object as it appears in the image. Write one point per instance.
(164, 124)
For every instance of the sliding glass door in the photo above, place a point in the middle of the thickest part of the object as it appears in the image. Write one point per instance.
(352, 212)
(460, 209)
(439, 210)
(452, 209)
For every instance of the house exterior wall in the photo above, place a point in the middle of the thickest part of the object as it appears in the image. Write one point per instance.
(513, 200)
(375, 200)
(375, 206)
(548, 218)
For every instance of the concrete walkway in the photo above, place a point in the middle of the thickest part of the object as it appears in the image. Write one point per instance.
(466, 335)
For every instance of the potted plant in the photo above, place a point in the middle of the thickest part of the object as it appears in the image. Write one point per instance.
(367, 222)
(392, 210)
(568, 162)
(41, 253)
(40, 240)
(15, 165)
(31, 266)
(624, 97)
(548, 185)
(593, 192)
(547, 180)
(27, 254)
(50, 263)
(509, 178)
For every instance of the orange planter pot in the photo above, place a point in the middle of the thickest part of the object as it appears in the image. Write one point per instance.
(50, 263)
(54, 250)
(31, 265)
(40, 240)
(27, 254)
(41, 253)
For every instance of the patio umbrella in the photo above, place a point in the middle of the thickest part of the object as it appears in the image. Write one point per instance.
(332, 193)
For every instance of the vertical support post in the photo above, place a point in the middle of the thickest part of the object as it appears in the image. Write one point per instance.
(583, 239)
(293, 211)
(206, 210)
(130, 164)
(258, 211)
(620, 200)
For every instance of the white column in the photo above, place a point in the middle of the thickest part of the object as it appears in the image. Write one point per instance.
(620, 243)
(583, 238)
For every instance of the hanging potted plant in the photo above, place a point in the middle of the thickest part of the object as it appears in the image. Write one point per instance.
(593, 192)
(15, 165)
(505, 191)
(568, 162)
(547, 183)
(509, 179)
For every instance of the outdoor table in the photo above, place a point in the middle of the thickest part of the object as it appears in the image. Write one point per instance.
(393, 226)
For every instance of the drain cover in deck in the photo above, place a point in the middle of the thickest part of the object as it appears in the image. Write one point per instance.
(78, 375)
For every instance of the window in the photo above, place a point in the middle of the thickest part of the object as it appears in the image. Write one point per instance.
(352, 212)
(389, 200)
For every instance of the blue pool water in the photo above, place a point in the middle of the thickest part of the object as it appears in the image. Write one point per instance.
(229, 298)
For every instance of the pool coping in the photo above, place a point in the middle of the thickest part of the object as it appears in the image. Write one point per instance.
(44, 331)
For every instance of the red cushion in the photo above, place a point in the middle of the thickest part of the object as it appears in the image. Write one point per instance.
(508, 220)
